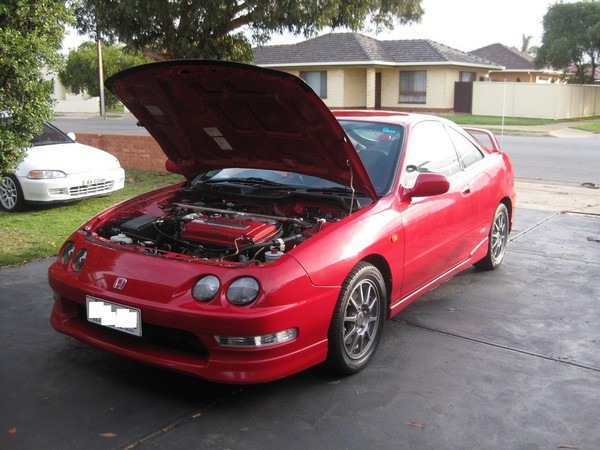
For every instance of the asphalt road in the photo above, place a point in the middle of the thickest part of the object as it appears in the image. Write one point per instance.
(555, 159)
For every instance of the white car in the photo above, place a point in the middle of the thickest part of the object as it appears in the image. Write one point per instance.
(58, 169)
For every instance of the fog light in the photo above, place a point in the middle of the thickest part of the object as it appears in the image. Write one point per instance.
(206, 288)
(243, 291)
(79, 260)
(266, 340)
(67, 252)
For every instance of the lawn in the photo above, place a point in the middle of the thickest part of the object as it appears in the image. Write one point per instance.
(39, 231)
(593, 127)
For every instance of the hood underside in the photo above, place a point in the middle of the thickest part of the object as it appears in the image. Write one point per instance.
(209, 115)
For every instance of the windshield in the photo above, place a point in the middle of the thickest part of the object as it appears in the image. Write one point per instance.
(51, 135)
(377, 144)
(266, 178)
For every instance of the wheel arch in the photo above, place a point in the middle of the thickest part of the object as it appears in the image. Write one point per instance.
(509, 206)
(381, 264)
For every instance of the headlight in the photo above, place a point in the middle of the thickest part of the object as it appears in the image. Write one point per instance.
(79, 260)
(45, 174)
(243, 291)
(67, 252)
(206, 288)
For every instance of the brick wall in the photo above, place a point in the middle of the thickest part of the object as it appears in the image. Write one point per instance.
(133, 152)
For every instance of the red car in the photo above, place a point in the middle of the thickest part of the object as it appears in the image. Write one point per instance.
(297, 233)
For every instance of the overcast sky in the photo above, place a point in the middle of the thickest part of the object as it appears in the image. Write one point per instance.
(463, 24)
(470, 24)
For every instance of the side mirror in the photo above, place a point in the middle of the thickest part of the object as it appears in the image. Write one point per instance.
(429, 184)
(170, 166)
(72, 135)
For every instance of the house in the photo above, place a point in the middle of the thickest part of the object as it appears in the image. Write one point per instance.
(350, 70)
(518, 66)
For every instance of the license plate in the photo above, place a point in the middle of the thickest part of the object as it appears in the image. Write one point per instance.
(93, 181)
(113, 315)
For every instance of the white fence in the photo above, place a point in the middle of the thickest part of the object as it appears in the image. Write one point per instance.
(542, 101)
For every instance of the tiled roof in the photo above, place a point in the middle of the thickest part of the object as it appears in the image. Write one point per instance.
(357, 48)
(510, 58)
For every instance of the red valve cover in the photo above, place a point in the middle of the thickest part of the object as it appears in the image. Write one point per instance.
(225, 231)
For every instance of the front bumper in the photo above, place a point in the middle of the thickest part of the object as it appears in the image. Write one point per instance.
(178, 333)
(73, 187)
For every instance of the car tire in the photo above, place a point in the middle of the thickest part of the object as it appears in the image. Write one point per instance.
(357, 321)
(11, 194)
(497, 240)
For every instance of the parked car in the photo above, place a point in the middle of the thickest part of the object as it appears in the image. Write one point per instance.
(297, 232)
(58, 169)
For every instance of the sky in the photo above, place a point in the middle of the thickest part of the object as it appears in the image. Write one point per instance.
(462, 24)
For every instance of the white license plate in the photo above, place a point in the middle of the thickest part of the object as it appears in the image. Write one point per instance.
(113, 315)
(93, 181)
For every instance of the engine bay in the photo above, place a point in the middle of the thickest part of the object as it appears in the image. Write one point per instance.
(219, 230)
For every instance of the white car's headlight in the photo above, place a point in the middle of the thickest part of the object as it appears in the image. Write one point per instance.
(243, 291)
(45, 174)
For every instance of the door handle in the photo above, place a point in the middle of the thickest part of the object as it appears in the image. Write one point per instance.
(466, 190)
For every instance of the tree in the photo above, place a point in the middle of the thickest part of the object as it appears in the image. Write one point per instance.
(526, 43)
(219, 29)
(80, 73)
(31, 33)
(571, 39)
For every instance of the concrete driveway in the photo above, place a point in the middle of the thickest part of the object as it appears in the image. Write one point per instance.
(498, 360)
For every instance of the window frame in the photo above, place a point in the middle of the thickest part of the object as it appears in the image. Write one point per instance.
(410, 94)
(321, 89)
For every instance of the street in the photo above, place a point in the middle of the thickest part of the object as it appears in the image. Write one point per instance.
(494, 360)
(534, 157)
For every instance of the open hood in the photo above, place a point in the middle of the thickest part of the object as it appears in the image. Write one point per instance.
(211, 114)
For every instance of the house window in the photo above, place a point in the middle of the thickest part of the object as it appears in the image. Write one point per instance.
(413, 86)
(467, 76)
(317, 80)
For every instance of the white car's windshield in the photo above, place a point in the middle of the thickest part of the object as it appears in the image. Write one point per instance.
(51, 135)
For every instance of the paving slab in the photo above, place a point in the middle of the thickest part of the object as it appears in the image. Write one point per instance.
(503, 359)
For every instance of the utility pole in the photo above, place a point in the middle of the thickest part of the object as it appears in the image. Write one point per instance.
(100, 73)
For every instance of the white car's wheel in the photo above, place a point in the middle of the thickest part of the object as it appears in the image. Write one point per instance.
(11, 194)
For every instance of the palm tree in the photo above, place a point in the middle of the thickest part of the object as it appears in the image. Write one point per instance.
(525, 44)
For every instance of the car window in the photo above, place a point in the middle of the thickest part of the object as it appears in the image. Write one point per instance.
(468, 153)
(379, 146)
(430, 150)
(51, 135)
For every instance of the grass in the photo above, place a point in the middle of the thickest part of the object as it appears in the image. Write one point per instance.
(591, 127)
(39, 231)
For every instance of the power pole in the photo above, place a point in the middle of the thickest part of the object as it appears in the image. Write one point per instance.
(100, 73)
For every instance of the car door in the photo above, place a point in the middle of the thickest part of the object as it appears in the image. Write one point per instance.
(436, 228)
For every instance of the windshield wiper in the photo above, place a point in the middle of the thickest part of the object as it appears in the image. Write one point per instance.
(249, 180)
(331, 190)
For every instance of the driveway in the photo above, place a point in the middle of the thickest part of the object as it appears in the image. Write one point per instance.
(505, 359)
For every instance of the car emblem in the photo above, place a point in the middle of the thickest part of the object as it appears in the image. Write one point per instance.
(119, 283)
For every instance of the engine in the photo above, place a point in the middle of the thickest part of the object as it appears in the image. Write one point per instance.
(219, 231)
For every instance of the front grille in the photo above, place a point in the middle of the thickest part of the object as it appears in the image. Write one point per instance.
(174, 338)
(96, 188)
